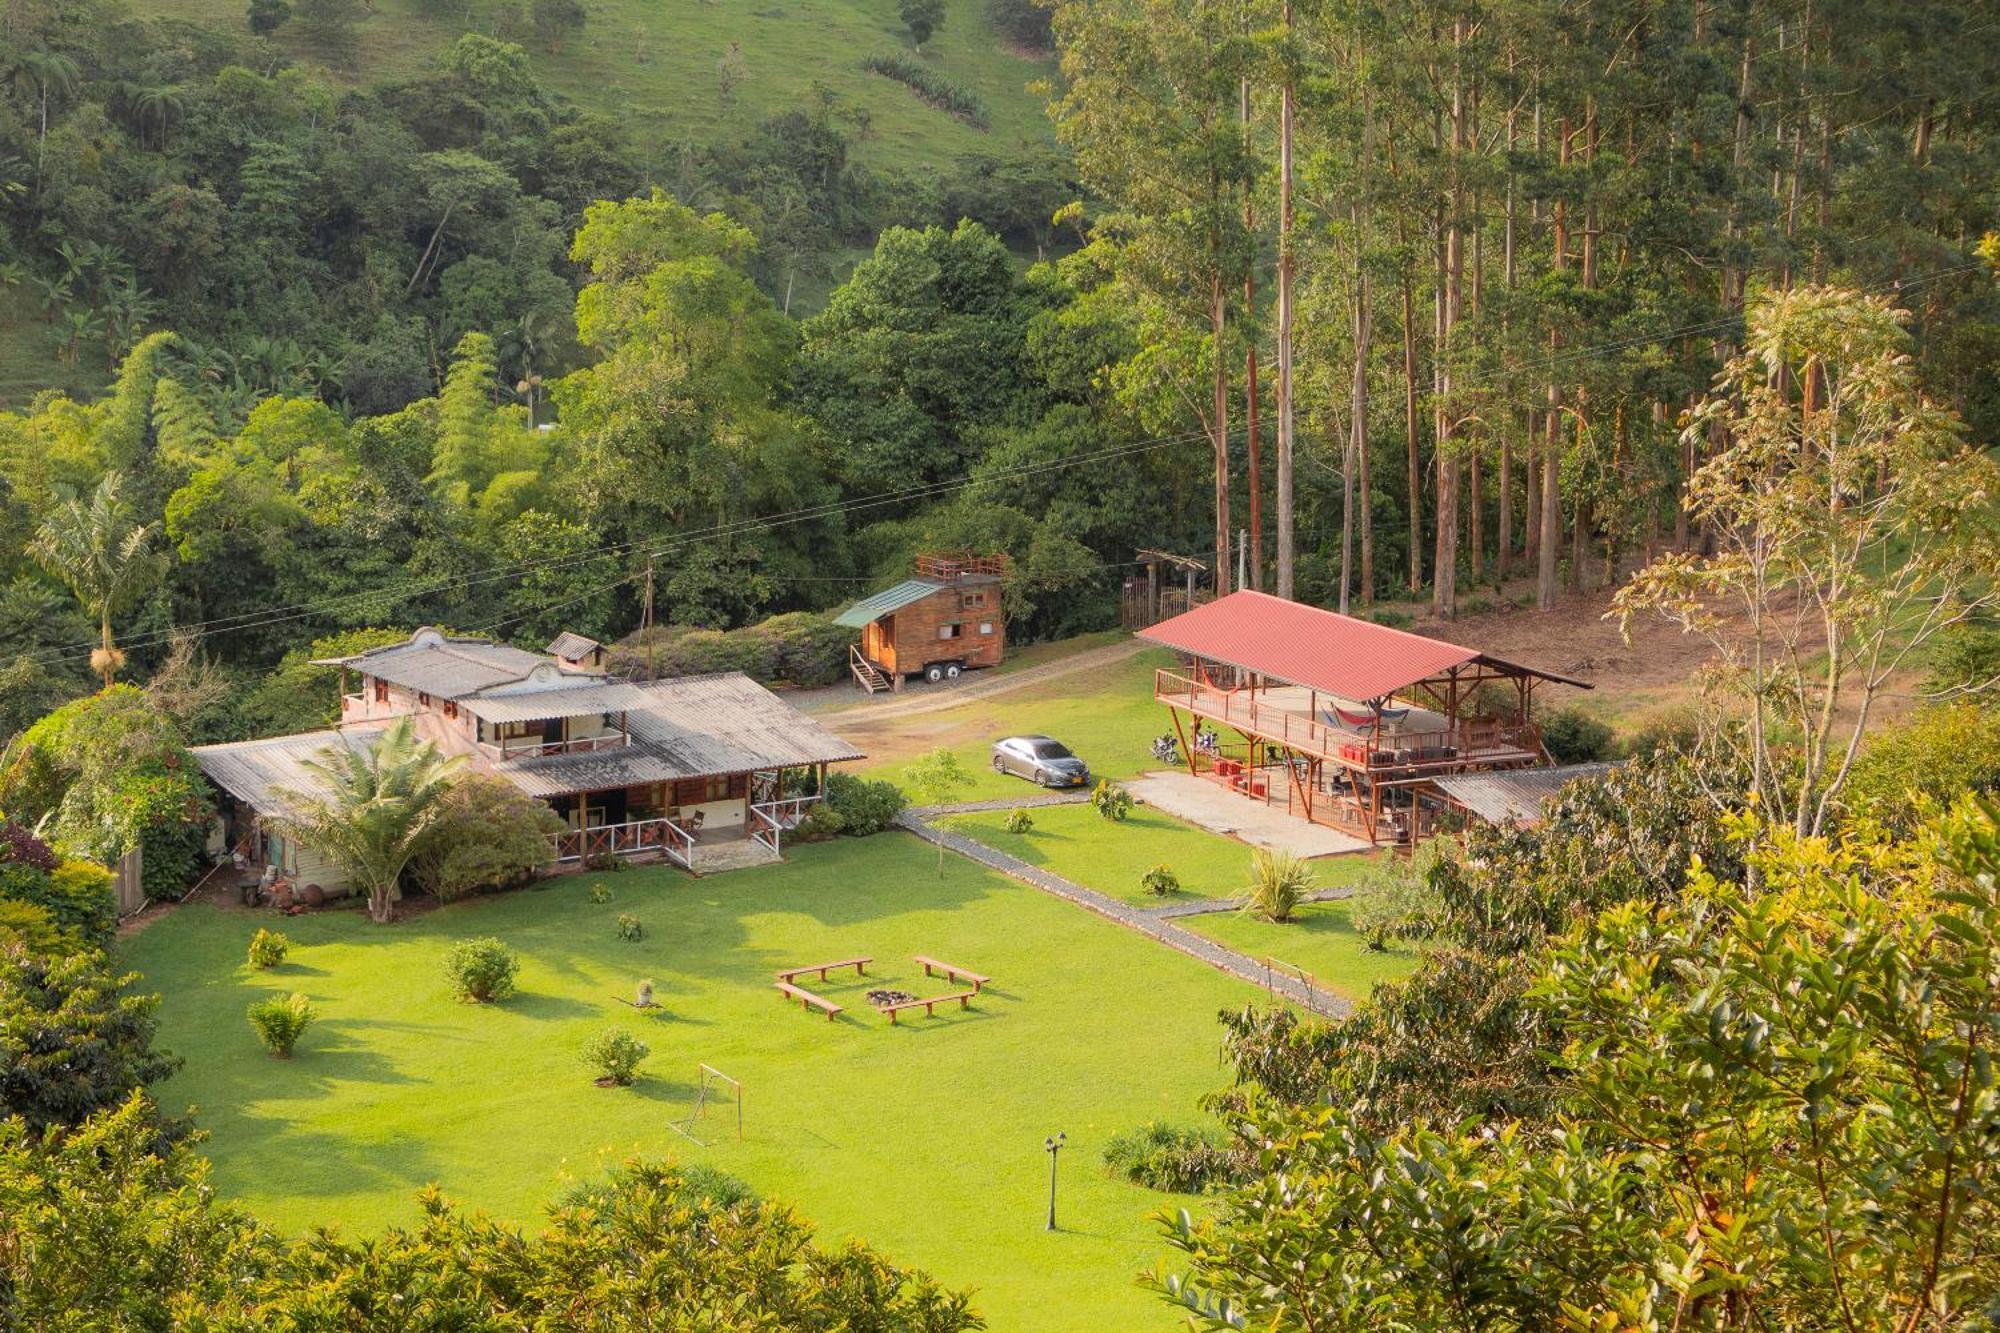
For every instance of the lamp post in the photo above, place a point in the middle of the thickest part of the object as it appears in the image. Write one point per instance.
(1052, 1147)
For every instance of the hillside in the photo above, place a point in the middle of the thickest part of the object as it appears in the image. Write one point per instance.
(654, 64)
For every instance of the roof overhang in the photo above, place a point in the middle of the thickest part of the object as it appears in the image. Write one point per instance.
(1322, 650)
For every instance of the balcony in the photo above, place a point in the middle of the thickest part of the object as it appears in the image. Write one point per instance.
(527, 747)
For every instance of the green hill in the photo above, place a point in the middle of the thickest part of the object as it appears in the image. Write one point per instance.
(655, 64)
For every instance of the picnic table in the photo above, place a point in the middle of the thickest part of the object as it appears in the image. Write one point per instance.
(954, 972)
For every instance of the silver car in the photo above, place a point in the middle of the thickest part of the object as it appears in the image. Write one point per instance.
(1042, 760)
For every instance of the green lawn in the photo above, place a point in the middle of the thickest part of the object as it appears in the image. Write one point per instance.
(1106, 714)
(1321, 941)
(653, 64)
(924, 1139)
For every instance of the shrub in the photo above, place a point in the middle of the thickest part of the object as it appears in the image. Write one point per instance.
(20, 847)
(481, 970)
(798, 648)
(1913, 772)
(1019, 821)
(77, 895)
(1574, 737)
(695, 1185)
(855, 807)
(1279, 882)
(615, 1055)
(600, 893)
(1168, 1157)
(1022, 22)
(931, 86)
(280, 1021)
(1160, 881)
(1393, 619)
(72, 1041)
(604, 863)
(268, 948)
(1964, 656)
(1110, 799)
(629, 927)
(488, 835)
(30, 926)
(1399, 898)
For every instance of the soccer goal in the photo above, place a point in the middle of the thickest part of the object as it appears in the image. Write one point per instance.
(713, 1085)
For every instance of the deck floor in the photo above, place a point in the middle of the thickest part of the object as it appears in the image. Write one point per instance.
(1211, 806)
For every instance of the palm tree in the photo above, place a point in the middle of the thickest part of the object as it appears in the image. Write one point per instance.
(43, 72)
(372, 808)
(1279, 882)
(100, 549)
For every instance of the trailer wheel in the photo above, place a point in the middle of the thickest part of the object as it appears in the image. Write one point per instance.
(952, 671)
(934, 673)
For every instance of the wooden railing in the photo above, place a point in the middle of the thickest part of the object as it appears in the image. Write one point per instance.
(770, 819)
(1484, 741)
(638, 837)
(522, 748)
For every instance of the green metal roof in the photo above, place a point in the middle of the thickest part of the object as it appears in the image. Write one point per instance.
(870, 609)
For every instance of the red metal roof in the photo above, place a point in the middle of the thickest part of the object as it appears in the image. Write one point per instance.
(1322, 650)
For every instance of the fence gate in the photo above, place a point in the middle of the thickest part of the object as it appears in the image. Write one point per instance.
(129, 882)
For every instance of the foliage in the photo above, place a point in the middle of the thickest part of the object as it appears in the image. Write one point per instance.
(937, 778)
(1741, 1061)
(103, 552)
(1022, 22)
(299, 696)
(1573, 736)
(1160, 881)
(1175, 1158)
(373, 809)
(481, 970)
(103, 1228)
(1018, 821)
(280, 1021)
(77, 895)
(108, 773)
(600, 893)
(854, 806)
(1111, 800)
(925, 82)
(798, 648)
(72, 1041)
(32, 927)
(1965, 659)
(630, 927)
(921, 17)
(268, 948)
(487, 834)
(1399, 898)
(1279, 882)
(1911, 773)
(1845, 490)
(615, 1055)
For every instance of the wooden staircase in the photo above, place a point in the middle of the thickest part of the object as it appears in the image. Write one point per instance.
(866, 673)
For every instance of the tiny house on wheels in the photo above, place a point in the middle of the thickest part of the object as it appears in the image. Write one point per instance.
(937, 624)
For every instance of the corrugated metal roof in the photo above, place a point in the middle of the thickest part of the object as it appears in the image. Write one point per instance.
(1323, 650)
(1514, 794)
(566, 701)
(691, 727)
(254, 771)
(882, 603)
(572, 646)
(449, 668)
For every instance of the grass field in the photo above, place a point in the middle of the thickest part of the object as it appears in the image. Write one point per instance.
(924, 1139)
(1321, 940)
(653, 64)
(1106, 714)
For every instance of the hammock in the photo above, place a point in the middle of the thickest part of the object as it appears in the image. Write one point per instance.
(1363, 721)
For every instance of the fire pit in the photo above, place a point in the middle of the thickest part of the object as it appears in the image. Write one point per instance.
(882, 997)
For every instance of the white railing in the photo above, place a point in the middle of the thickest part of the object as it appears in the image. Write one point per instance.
(526, 749)
(637, 837)
(770, 819)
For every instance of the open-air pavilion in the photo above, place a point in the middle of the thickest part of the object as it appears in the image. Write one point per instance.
(1344, 722)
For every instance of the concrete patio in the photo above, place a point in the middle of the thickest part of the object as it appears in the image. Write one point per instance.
(1211, 806)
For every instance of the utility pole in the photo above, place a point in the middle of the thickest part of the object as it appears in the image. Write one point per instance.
(646, 599)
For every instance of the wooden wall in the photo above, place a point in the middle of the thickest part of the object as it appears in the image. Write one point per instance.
(972, 604)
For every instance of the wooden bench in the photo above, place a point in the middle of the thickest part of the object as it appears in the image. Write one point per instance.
(954, 972)
(808, 1000)
(860, 966)
(964, 999)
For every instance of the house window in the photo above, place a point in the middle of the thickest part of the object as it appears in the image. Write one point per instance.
(450, 708)
(974, 599)
(423, 700)
(951, 631)
(985, 627)
(381, 691)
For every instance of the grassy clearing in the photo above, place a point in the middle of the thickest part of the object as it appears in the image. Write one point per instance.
(1106, 714)
(653, 64)
(1077, 843)
(1322, 941)
(925, 1139)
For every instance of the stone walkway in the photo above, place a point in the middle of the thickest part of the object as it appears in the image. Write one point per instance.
(1150, 922)
(1211, 806)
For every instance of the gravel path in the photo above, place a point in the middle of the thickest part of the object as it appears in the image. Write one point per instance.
(1149, 922)
(1206, 906)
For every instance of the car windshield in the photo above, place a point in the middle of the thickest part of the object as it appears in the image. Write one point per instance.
(1049, 750)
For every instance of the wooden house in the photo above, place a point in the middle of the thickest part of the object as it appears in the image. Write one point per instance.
(704, 771)
(937, 624)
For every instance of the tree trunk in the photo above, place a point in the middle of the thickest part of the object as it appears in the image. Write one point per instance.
(1286, 555)
(1410, 436)
(1354, 472)
(1218, 319)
